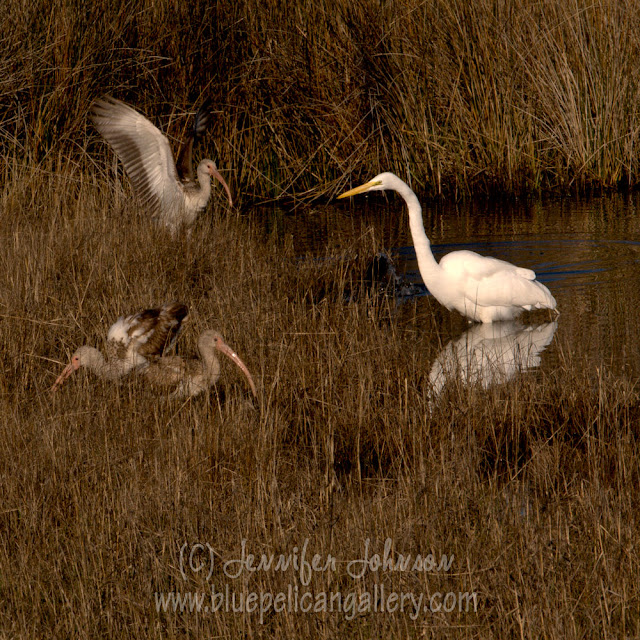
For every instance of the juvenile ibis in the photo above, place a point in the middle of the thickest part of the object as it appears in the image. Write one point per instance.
(132, 341)
(170, 190)
(189, 377)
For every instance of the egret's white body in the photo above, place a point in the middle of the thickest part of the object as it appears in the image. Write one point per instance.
(168, 190)
(481, 288)
(189, 377)
(132, 341)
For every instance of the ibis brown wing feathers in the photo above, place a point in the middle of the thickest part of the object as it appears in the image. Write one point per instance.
(184, 162)
(158, 329)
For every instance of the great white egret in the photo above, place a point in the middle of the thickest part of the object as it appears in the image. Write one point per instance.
(190, 377)
(131, 342)
(169, 190)
(481, 288)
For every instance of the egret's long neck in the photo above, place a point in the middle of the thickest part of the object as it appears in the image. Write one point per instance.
(426, 262)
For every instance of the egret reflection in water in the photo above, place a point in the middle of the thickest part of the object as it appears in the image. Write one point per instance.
(488, 354)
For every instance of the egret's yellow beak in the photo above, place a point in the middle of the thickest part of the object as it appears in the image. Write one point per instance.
(361, 189)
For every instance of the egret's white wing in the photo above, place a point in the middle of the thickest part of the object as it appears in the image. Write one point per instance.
(472, 265)
(490, 282)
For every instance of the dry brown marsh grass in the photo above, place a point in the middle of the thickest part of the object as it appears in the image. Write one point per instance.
(529, 485)
(466, 97)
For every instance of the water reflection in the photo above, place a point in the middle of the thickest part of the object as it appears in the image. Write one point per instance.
(488, 354)
(585, 250)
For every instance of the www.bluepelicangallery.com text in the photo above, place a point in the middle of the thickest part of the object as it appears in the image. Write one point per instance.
(294, 600)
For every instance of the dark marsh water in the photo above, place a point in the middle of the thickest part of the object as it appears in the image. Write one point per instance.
(586, 250)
